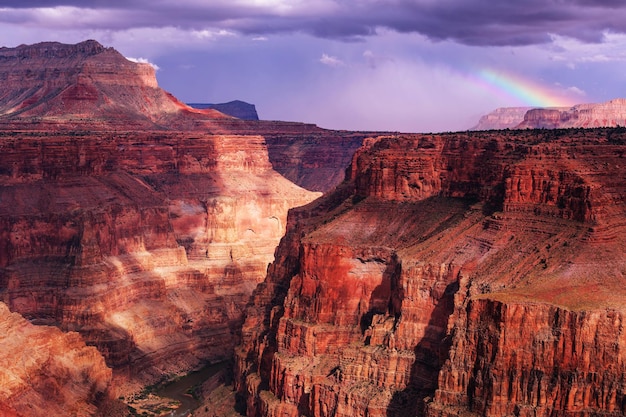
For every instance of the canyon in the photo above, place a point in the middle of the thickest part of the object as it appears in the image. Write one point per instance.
(439, 275)
(133, 222)
(609, 114)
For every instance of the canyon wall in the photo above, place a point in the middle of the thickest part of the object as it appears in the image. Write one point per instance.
(316, 161)
(135, 220)
(476, 273)
(148, 244)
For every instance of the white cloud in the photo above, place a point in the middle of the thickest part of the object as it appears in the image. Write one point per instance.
(331, 61)
(577, 91)
(143, 61)
(212, 34)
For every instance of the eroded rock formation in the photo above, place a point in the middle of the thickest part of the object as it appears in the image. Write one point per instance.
(458, 274)
(60, 86)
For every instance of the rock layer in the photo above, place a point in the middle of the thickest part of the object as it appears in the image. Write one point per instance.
(46, 372)
(60, 85)
(609, 114)
(147, 244)
(236, 108)
(462, 273)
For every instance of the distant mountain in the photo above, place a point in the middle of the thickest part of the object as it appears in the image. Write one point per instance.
(237, 108)
(609, 114)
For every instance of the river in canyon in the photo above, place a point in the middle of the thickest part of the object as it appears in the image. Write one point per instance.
(183, 388)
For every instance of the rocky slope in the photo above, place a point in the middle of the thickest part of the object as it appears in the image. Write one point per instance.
(45, 372)
(453, 275)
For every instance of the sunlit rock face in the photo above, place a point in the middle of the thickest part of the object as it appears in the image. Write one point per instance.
(609, 114)
(452, 275)
(46, 372)
(147, 244)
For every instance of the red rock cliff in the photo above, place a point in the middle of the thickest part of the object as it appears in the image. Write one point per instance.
(148, 244)
(461, 273)
(86, 83)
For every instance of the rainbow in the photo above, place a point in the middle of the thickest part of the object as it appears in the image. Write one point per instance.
(526, 93)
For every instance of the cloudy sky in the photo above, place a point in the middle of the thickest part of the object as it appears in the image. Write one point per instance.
(400, 65)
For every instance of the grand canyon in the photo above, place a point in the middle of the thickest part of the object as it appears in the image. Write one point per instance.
(476, 273)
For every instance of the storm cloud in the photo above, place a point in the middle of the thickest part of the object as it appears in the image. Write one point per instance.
(468, 22)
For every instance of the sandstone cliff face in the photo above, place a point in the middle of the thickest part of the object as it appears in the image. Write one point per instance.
(147, 244)
(609, 114)
(46, 372)
(569, 363)
(463, 273)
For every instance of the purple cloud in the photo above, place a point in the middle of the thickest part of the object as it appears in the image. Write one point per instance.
(470, 22)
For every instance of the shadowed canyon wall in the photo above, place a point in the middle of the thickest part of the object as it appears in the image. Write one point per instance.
(476, 273)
